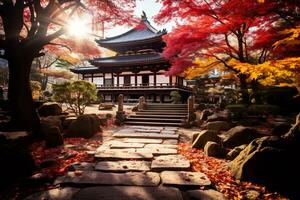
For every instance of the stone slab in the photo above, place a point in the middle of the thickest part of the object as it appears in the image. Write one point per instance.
(122, 154)
(101, 178)
(144, 141)
(183, 178)
(14, 135)
(205, 194)
(121, 145)
(147, 127)
(55, 194)
(146, 135)
(157, 151)
(161, 146)
(170, 162)
(128, 193)
(122, 166)
(171, 128)
(174, 142)
(82, 166)
(167, 132)
(146, 131)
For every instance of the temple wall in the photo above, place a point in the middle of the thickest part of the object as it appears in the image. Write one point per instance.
(162, 79)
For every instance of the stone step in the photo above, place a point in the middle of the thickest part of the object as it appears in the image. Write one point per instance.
(152, 123)
(183, 178)
(146, 135)
(170, 162)
(122, 166)
(143, 141)
(127, 193)
(115, 154)
(157, 116)
(153, 119)
(104, 178)
(164, 110)
(149, 112)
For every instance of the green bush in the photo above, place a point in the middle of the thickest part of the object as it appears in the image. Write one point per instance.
(237, 110)
(76, 95)
(175, 96)
(36, 89)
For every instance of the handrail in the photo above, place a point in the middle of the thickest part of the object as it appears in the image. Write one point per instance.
(140, 86)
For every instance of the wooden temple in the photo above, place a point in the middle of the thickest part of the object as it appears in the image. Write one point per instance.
(137, 69)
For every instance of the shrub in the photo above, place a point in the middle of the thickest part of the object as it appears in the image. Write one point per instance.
(175, 96)
(76, 95)
(36, 89)
(237, 110)
(258, 109)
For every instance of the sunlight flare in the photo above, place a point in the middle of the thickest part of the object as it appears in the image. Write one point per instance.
(79, 27)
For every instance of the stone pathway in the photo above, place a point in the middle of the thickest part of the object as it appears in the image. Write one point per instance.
(137, 163)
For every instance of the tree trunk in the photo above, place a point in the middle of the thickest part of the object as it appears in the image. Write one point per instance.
(24, 115)
(244, 88)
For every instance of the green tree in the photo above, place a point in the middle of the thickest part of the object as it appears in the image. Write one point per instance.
(76, 95)
(175, 96)
(36, 89)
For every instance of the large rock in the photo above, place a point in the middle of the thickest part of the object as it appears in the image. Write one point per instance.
(235, 152)
(213, 149)
(221, 116)
(85, 126)
(205, 136)
(52, 135)
(271, 161)
(280, 128)
(50, 109)
(239, 135)
(205, 195)
(218, 126)
(204, 114)
(52, 121)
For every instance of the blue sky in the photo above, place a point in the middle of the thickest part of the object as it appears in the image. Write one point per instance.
(151, 8)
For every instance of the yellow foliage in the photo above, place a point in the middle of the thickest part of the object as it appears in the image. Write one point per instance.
(277, 72)
(292, 39)
(201, 67)
(69, 58)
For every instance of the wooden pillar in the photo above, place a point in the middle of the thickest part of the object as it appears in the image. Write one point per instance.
(112, 79)
(191, 101)
(118, 81)
(154, 79)
(103, 79)
(135, 75)
(170, 80)
(92, 78)
(83, 76)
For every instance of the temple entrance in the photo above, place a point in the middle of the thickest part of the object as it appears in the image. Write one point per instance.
(127, 80)
(145, 80)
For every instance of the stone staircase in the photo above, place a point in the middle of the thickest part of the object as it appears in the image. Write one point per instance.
(159, 115)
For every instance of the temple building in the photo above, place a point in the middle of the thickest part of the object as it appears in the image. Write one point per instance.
(137, 69)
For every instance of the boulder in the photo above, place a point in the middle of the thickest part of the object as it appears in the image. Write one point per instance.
(85, 126)
(205, 136)
(280, 128)
(52, 121)
(218, 126)
(239, 135)
(214, 149)
(203, 115)
(220, 116)
(235, 152)
(106, 106)
(50, 109)
(52, 135)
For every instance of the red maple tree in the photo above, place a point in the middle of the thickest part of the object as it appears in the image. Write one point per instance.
(223, 30)
(27, 26)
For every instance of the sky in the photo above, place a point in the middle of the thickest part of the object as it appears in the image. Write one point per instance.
(151, 8)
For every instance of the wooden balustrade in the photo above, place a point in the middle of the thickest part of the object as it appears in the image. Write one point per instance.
(139, 86)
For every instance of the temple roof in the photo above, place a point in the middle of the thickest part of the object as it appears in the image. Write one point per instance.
(141, 34)
(129, 60)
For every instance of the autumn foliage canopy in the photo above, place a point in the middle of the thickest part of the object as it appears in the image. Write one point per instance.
(247, 37)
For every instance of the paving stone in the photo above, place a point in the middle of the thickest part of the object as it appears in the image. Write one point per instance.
(102, 178)
(128, 193)
(162, 146)
(120, 145)
(184, 178)
(205, 194)
(144, 141)
(171, 128)
(146, 135)
(147, 130)
(174, 142)
(125, 131)
(123, 166)
(55, 194)
(148, 127)
(122, 154)
(168, 132)
(170, 162)
(82, 166)
(157, 151)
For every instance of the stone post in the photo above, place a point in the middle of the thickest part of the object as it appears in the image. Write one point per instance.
(120, 117)
(191, 101)
(142, 103)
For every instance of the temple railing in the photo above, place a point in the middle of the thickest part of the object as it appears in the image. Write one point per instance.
(143, 86)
